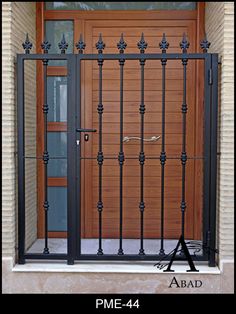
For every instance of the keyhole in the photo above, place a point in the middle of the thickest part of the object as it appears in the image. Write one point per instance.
(86, 137)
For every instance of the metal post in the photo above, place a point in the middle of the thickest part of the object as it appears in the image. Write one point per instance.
(21, 161)
(71, 162)
(213, 148)
(78, 154)
(207, 146)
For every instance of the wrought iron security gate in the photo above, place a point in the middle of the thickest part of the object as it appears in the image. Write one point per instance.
(74, 151)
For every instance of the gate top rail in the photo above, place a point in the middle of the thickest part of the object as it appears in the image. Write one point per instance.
(121, 46)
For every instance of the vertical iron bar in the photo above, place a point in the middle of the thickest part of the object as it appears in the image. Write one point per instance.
(80, 45)
(184, 45)
(45, 159)
(121, 155)
(100, 158)
(207, 145)
(78, 147)
(21, 162)
(72, 223)
(214, 111)
(142, 158)
(183, 155)
(163, 154)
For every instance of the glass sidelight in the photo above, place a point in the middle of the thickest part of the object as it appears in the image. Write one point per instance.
(57, 218)
(43, 166)
(57, 98)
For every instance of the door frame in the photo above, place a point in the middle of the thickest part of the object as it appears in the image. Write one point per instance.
(79, 18)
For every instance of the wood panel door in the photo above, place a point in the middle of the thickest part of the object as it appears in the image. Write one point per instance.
(132, 29)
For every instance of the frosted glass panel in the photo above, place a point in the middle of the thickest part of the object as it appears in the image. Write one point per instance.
(87, 6)
(57, 98)
(53, 32)
(57, 147)
(57, 213)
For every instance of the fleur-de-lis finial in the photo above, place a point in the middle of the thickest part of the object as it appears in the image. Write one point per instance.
(184, 44)
(63, 44)
(164, 44)
(100, 45)
(80, 45)
(121, 45)
(205, 44)
(27, 45)
(45, 46)
(142, 45)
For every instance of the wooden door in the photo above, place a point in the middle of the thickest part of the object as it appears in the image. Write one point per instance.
(153, 30)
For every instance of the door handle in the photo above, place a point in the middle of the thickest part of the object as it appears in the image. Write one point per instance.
(86, 130)
(151, 139)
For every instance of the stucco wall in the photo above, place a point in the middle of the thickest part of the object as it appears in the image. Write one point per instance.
(18, 18)
(219, 25)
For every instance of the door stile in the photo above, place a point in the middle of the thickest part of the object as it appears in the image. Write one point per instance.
(77, 171)
(71, 157)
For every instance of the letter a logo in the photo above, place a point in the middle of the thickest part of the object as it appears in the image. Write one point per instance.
(187, 255)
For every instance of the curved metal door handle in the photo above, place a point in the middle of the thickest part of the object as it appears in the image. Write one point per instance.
(152, 139)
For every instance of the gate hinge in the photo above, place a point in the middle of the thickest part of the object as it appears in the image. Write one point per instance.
(208, 238)
(210, 78)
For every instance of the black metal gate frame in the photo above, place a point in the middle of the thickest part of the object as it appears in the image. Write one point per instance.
(74, 153)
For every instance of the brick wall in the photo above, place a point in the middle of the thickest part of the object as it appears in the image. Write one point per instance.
(18, 18)
(219, 24)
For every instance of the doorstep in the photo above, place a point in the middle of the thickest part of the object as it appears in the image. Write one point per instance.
(114, 267)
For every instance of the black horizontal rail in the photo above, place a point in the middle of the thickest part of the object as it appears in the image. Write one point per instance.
(128, 56)
(110, 257)
(108, 157)
(50, 256)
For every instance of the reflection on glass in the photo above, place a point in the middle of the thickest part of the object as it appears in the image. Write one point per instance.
(57, 217)
(128, 5)
(57, 98)
(53, 32)
(57, 147)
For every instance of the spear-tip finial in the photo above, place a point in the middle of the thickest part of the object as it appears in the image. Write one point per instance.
(121, 45)
(184, 44)
(63, 45)
(27, 45)
(80, 45)
(205, 44)
(100, 45)
(164, 44)
(45, 45)
(142, 44)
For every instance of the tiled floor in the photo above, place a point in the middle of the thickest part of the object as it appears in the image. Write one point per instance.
(110, 246)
